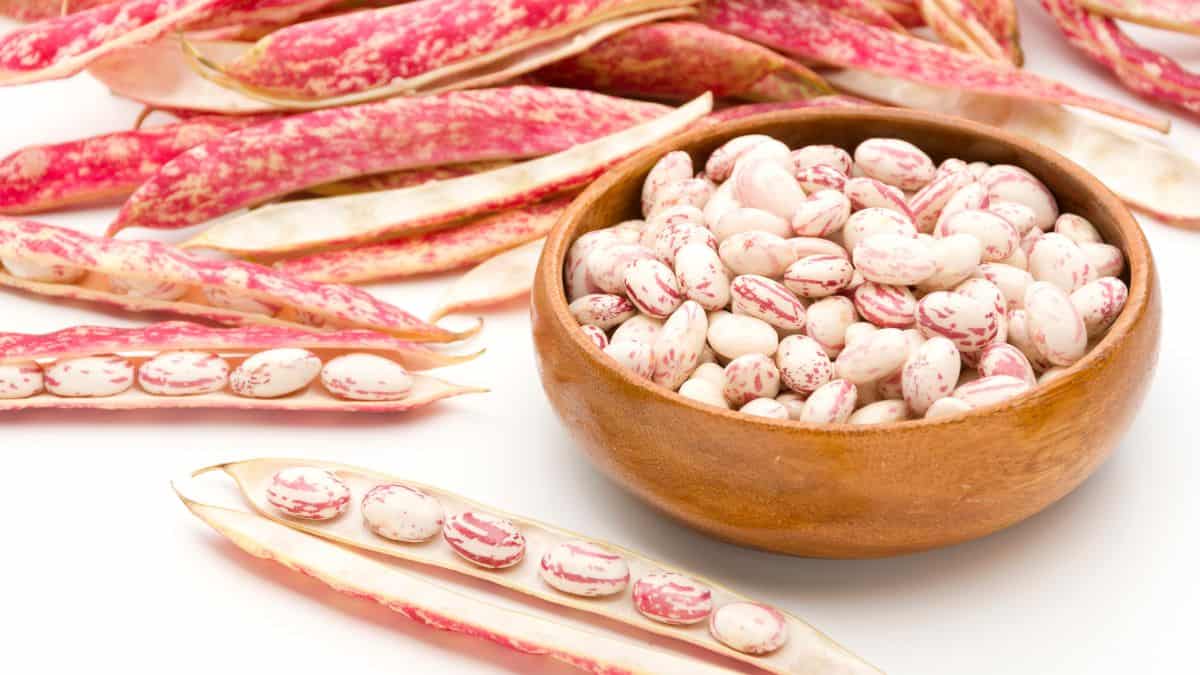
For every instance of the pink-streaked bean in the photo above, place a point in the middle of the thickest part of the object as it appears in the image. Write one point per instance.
(827, 321)
(998, 237)
(947, 407)
(822, 155)
(640, 328)
(822, 214)
(793, 403)
(895, 162)
(742, 219)
(308, 493)
(991, 389)
(607, 266)
(955, 259)
(1019, 216)
(596, 335)
(89, 376)
(1020, 337)
(886, 411)
(750, 376)
(602, 310)
(772, 152)
(1055, 326)
(585, 569)
(1078, 229)
(821, 177)
(275, 373)
(1004, 359)
(1018, 259)
(951, 165)
(183, 373)
(677, 235)
(767, 299)
(677, 349)
(720, 203)
(818, 276)
(637, 357)
(366, 377)
(803, 247)
(990, 295)
(694, 192)
(1099, 303)
(21, 380)
(719, 166)
(764, 184)
(673, 167)
(874, 357)
(666, 218)
(885, 305)
(872, 221)
(652, 288)
(927, 204)
(1008, 183)
(733, 335)
(33, 271)
(704, 391)
(931, 373)
(972, 197)
(575, 269)
(701, 276)
(970, 324)
(483, 539)
(765, 407)
(749, 627)
(673, 599)
(868, 193)
(1060, 261)
(895, 259)
(756, 253)
(1105, 260)
(1030, 239)
(1011, 281)
(803, 364)
(832, 403)
(859, 330)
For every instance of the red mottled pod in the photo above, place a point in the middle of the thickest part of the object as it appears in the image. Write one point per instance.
(486, 540)
(501, 279)
(308, 493)
(35, 10)
(1178, 15)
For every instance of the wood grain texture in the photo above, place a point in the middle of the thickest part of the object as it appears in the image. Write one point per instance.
(843, 491)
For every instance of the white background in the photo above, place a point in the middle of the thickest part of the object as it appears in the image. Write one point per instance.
(103, 568)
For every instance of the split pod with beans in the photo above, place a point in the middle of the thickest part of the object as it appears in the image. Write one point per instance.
(184, 365)
(320, 518)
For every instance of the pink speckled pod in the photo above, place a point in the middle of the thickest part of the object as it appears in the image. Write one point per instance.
(102, 168)
(812, 32)
(341, 306)
(1178, 15)
(958, 24)
(434, 252)
(36, 10)
(672, 598)
(485, 540)
(308, 493)
(264, 161)
(680, 60)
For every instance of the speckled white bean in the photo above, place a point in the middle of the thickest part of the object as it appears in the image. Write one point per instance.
(704, 391)
(677, 235)
(990, 295)
(1011, 281)
(880, 412)
(665, 218)
(1005, 359)
(1021, 217)
(1099, 303)
(802, 247)
(872, 221)
(818, 155)
(868, 193)
(640, 328)
(1105, 260)
(677, 349)
(767, 299)
(228, 299)
(998, 237)
(274, 373)
(596, 335)
(749, 627)
(821, 177)
(927, 204)
(721, 202)
(147, 288)
(30, 270)
(89, 376)
(732, 335)
(765, 407)
(951, 165)
(585, 569)
(750, 376)
(652, 288)
(576, 276)
(1005, 182)
(764, 184)
(1020, 337)
(1060, 261)
(183, 373)
(636, 357)
(832, 403)
(673, 167)
(972, 197)
(711, 372)
(366, 377)
(885, 305)
(1056, 328)
(793, 403)
(1077, 228)
(772, 151)
(991, 389)
(955, 259)
(722, 160)
(818, 276)
(931, 373)
(859, 330)
(602, 310)
(803, 364)
(486, 540)
(757, 253)
(895, 259)
(608, 265)
(827, 321)
(1029, 240)
(745, 219)
(673, 599)
(821, 214)
(946, 407)
(308, 493)
(895, 162)
(970, 324)
(402, 513)
(21, 380)
(873, 357)
(701, 276)
(693, 192)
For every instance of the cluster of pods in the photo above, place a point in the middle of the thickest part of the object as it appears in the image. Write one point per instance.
(360, 510)
(825, 286)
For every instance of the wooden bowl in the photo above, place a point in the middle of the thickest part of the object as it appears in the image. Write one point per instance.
(844, 491)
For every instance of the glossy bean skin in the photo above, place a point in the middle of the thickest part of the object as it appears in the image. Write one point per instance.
(828, 319)
(821, 214)
(895, 162)
(767, 299)
(1099, 303)
(803, 364)
(885, 305)
(832, 403)
(931, 373)
(1055, 326)
(602, 310)
(818, 276)
(652, 287)
(970, 324)
(701, 276)
(750, 376)
(1060, 261)
(674, 167)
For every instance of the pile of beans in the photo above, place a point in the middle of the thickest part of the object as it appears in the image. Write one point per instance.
(818, 286)
(406, 514)
(266, 374)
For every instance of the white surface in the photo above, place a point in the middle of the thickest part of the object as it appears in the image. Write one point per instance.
(104, 568)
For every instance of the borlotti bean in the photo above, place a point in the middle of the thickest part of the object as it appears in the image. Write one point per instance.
(563, 569)
(308, 493)
(182, 365)
(835, 288)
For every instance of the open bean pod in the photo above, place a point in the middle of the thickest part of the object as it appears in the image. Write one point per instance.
(152, 276)
(348, 506)
(505, 277)
(185, 365)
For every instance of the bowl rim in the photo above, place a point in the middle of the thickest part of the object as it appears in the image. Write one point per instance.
(1139, 262)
